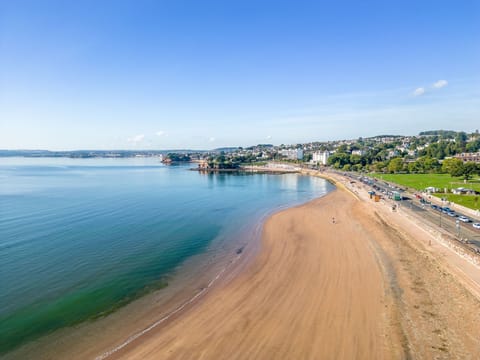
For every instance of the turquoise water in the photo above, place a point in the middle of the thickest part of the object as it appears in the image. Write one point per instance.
(81, 237)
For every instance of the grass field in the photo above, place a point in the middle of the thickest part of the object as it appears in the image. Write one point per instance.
(470, 201)
(421, 181)
(441, 181)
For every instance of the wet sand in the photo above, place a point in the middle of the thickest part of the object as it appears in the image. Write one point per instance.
(372, 285)
(315, 291)
(369, 286)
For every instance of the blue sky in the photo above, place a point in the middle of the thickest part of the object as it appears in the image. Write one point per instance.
(204, 74)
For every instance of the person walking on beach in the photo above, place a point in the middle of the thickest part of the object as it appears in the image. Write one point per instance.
(333, 220)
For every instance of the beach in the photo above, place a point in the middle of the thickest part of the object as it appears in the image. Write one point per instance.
(339, 277)
(362, 285)
(314, 291)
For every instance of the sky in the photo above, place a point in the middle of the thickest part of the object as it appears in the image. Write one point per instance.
(176, 74)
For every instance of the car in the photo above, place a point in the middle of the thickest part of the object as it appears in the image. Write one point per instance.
(447, 209)
(434, 207)
(464, 219)
(451, 213)
(476, 225)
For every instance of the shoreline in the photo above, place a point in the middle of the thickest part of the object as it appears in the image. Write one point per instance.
(225, 299)
(300, 276)
(401, 303)
(190, 283)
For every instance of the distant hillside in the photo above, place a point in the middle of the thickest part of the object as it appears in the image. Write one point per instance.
(445, 134)
(226, 149)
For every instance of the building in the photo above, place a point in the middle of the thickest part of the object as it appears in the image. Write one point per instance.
(475, 157)
(292, 154)
(463, 191)
(320, 157)
(358, 152)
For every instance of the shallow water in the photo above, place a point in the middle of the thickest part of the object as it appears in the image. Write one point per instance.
(81, 237)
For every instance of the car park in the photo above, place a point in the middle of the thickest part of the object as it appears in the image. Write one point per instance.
(476, 225)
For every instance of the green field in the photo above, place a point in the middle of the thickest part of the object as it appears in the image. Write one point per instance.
(422, 181)
(441, 181)
(470, 201)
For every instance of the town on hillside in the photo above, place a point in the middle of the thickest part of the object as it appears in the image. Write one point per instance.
(437, 151)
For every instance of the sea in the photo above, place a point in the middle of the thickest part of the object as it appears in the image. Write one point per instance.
(80, 238)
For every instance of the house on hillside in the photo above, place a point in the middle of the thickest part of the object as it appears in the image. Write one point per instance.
(320, 157)
(475, 157)
(292, 154)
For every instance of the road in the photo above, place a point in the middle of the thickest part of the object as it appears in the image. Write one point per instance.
(463, 232)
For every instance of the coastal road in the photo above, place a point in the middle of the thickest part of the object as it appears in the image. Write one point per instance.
(463, 232)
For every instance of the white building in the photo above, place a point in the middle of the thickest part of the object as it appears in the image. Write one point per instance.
(292, 154)
(358, 152)
(320, 157)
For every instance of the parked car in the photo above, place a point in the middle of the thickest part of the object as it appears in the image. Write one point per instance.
(476, 225)
(464, 219)
(434, 207)
(451, 213)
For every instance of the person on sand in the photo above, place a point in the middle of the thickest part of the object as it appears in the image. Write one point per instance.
(333, 220)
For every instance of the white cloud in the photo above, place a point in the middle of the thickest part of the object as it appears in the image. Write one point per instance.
(269, 137)
(440, 84)
(136, 139)
(419, 91)
(160, 133)
(212, 139)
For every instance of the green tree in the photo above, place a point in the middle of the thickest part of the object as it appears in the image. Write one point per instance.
(469, 169)
(395, 165)
(473, 146)
(338, 160)
(452, 166)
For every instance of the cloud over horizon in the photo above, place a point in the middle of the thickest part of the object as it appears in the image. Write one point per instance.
(136, 139)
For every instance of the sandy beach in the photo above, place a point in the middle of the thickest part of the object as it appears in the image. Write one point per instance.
(315, 291)
(340, 277)
(362, 287)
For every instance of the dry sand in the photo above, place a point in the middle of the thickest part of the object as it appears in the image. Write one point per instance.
(316, 291)
(371, 286)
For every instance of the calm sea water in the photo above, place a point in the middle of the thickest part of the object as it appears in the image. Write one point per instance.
(79, 238)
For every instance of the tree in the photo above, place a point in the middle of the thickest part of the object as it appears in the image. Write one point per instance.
(469, 169)
(307, 157)
(473, 146)
(355, 159)
(452, 166)
(338, 160)
(395, 165)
